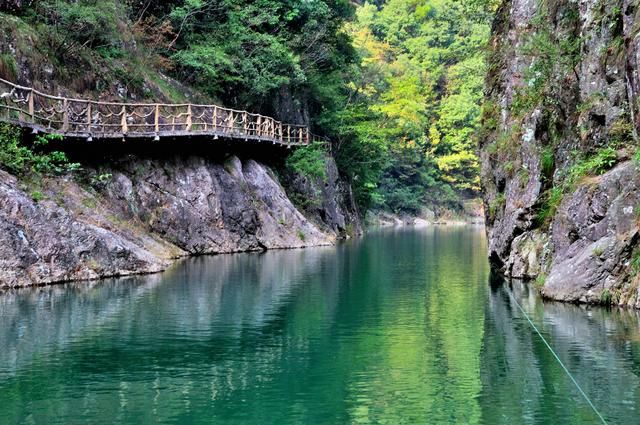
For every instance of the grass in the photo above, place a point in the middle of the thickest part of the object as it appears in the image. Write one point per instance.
(599, 163)
(635, 262)
(497, 204)
(598, 251)
(90, 203)
(547, 161)
(36, 195)
(8, 67)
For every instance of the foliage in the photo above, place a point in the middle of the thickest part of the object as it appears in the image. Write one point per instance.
(606, 298)
(496, 205)
(596, 164)
(21, 159)
(69, 26)
(245, 51)
(540, 280)
(8, 66)
(552, 200)
(415, 101)
(396, 85)
(309, 161)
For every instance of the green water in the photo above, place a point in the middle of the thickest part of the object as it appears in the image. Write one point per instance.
(403, 326)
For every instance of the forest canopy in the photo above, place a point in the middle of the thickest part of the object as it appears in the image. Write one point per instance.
(396, 85)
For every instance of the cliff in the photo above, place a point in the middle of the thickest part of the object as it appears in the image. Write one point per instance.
(558, 147)
(132, 214)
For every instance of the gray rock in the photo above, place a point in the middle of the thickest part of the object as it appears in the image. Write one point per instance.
(528, 254)
(594, 235)
(584, 252)
(149, 213)
(329, 204)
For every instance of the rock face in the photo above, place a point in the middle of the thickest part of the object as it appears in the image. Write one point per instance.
(145, 213)
(329, 202)
(560, 129)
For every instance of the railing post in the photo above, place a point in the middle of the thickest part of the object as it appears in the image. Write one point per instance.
(189, 117)
(231, 120)
(125, 127)
(215, 118)
(89, 113)
(31, 107)
(65, 115)
(156, 120)
(259, 126)
(288, 133)
(300, 139)
(245, 123)
(280, 131)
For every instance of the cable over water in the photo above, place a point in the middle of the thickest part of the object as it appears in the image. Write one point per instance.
(535, 328)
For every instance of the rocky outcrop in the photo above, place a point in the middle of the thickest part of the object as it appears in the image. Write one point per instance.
(329, 201)
(136, 216)
(594, 236)
(560, 129)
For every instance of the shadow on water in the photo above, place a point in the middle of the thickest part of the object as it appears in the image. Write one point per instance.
(399, 327)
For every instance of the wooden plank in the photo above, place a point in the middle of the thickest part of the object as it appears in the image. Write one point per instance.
(89, 113)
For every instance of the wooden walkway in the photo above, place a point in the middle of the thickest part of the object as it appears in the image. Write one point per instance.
(89, 119)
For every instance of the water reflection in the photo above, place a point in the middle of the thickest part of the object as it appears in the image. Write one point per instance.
(599, 346)
(400, 327)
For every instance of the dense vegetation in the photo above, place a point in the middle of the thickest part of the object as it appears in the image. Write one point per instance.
(395, 84)
(415, 102)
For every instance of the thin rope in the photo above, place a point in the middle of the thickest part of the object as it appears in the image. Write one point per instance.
(535, 328)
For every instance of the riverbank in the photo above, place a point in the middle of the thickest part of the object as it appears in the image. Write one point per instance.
(137, 216)
(470, 212)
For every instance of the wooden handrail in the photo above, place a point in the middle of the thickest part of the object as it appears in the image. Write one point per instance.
(95, 119)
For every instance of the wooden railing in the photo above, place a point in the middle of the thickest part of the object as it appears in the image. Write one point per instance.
(90, 119)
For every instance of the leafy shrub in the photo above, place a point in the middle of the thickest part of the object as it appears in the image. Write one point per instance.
(37, 196)
(89, 22)
(552, 201)
(309, 161)
(540, 280)
(8, 66)
(20, 159)
(602, 161)
(496, 205)
(547, 161)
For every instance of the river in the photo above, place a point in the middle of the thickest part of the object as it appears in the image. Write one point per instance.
(402, 326)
